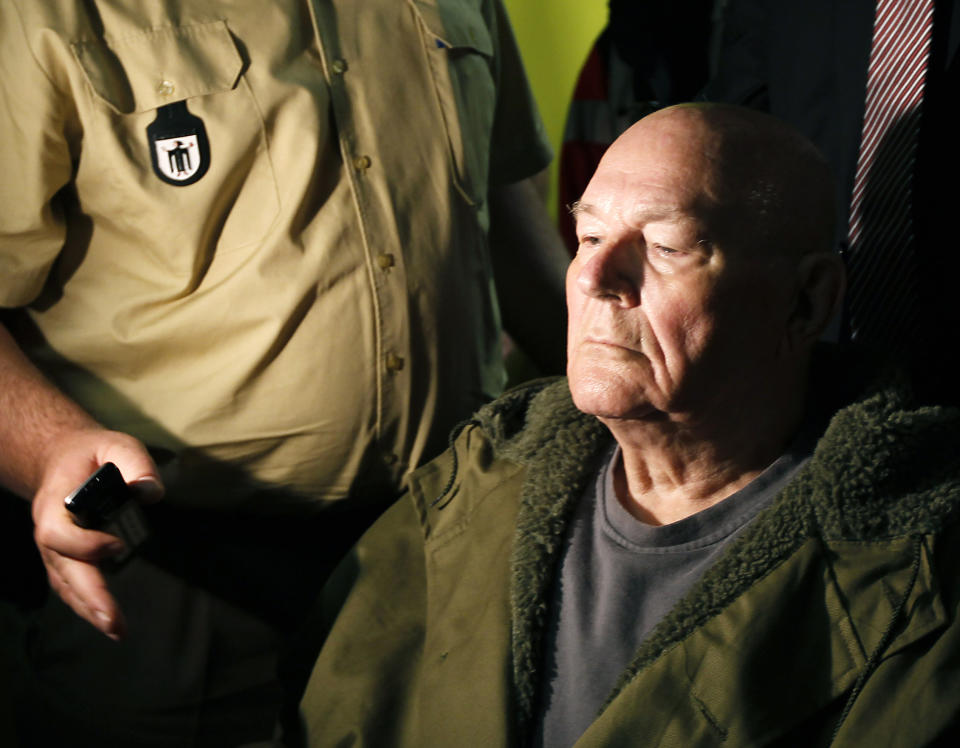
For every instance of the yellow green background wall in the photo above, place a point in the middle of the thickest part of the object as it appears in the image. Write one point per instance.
(554, 38)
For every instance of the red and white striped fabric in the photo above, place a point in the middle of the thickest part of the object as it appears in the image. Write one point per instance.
(882, 272)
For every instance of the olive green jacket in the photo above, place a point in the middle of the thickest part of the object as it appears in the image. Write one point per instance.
(832, 619)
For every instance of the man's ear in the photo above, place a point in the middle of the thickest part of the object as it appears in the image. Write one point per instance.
(821, 282)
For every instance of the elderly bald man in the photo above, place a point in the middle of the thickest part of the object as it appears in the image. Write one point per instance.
(714, 530)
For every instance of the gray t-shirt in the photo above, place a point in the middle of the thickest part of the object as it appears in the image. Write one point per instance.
(619, 577)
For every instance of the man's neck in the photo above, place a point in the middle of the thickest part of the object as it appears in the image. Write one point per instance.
(672, 469)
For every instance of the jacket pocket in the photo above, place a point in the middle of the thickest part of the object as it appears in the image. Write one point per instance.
(461, 57)
(131, 77)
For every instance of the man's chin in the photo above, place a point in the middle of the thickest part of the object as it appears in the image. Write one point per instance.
(610, 403)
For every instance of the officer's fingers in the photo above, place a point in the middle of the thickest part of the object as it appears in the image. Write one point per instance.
(69, 554)
(62, 588)
(55, 531)
(75, 455)
(82, 587)
(135, 464)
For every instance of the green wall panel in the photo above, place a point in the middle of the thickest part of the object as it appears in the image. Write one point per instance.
(554, 38)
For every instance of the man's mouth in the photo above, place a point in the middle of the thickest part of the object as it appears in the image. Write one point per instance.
(606, 342)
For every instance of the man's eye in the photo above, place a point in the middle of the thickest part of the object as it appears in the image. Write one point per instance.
(590, 240)
(665, 251)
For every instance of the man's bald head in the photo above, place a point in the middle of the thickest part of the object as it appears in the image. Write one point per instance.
(771, 184)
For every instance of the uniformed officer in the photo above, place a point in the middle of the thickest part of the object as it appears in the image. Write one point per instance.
(243, 250)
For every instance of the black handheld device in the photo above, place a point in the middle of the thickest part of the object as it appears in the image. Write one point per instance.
(105, 502)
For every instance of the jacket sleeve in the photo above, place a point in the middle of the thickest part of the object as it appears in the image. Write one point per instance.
(372, 621)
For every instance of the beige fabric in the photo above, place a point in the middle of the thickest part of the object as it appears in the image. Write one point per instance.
(317, 306)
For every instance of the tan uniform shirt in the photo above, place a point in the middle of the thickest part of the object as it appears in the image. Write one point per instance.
(316, 310)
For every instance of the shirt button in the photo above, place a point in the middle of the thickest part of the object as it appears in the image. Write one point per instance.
(394, 362)
(339, 66)
(165, 88)
(362, 163)
(385, 261)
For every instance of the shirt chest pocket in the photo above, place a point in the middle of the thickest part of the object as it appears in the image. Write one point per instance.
(460, 54)
(192, 74)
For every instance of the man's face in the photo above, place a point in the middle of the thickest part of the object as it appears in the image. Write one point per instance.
(669, 313)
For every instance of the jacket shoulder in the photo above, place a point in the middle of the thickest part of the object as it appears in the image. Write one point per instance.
(885, 467)
(517, 437)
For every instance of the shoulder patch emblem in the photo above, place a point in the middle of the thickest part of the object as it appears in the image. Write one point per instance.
(178, 143)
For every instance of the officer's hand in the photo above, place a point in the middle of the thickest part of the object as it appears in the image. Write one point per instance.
(69, 552)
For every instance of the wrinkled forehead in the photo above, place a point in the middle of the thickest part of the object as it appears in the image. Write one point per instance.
(650, 178)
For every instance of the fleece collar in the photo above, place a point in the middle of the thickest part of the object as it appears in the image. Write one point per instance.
(882, 469)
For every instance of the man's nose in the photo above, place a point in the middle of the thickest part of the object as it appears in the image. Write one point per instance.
(613, 271)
